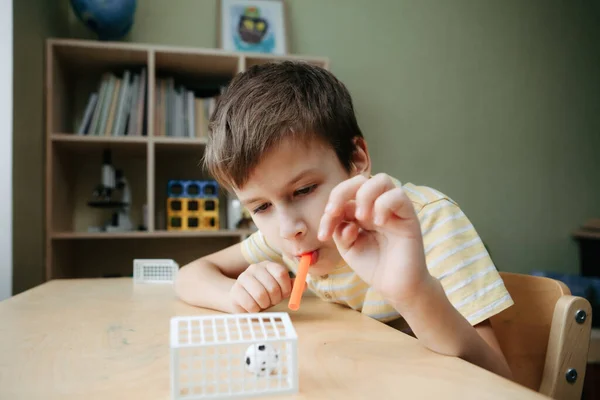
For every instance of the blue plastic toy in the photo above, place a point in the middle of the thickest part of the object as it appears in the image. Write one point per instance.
(192, 188)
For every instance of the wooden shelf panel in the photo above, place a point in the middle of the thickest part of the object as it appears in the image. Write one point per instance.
(194, 63)
(70, 137)
(150, 235)
(84, 144)
(97, 258)
(80, 56)
(211, 234)
(172, 142)
(169, 150)
(98, 235)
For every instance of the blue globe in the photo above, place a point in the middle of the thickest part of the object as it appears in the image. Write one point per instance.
(109, 19)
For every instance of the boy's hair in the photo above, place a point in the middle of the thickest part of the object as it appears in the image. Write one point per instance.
(271, 102)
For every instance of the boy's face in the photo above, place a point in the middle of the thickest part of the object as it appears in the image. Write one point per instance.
(287, 194)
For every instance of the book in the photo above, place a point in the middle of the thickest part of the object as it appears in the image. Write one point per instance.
(132, 107)
(141, 104)
(106, 102)
(98, 108)
(191, 124)
(113, 108)
(119, 123)
(88, 114)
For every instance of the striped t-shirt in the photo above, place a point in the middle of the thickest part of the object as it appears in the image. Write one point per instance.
(455, 255)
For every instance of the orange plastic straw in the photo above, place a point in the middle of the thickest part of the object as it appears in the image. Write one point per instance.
(299, 283)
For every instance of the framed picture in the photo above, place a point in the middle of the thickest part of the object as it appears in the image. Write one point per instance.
(255, 26)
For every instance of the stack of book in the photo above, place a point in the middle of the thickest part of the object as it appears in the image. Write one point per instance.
(179, 112)
(117, 108)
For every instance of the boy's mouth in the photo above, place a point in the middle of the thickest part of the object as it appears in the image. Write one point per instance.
(314, 253)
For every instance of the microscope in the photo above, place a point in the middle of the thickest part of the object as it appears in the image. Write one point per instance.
(113, 193)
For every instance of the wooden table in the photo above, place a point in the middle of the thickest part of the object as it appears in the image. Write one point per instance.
(108, 339)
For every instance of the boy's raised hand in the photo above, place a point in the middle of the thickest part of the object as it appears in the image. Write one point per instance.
(377, 232)
(260, 286)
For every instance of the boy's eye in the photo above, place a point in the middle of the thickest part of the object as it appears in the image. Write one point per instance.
(305, 190)
(261, 208)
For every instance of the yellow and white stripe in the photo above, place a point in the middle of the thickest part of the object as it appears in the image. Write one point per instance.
(454, 252)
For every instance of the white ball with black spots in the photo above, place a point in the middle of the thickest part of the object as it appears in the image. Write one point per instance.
(261, 359)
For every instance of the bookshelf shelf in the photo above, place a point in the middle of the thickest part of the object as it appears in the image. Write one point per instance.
(78, 56)
(150, 235)
(134, 146)
(177, 141)
(149, 113)
(206, 65)
(73, 138)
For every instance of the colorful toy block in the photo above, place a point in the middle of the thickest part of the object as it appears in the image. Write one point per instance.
(175, 223)
(181, 205)
(210, 222)
(193, 205)
(193, 222)
(192, 188)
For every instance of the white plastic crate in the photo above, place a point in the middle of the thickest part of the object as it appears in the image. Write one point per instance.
(154, 270)
(233, 356)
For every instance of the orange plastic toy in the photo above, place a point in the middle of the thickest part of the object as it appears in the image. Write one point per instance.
(296, 297)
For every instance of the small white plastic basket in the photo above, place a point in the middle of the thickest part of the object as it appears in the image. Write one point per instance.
(233, 356)
(154, 270)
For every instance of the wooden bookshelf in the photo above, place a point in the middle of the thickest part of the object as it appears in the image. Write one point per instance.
(149, 153)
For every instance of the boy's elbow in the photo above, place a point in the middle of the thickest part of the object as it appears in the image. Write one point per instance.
(201, 283)
(183, 282)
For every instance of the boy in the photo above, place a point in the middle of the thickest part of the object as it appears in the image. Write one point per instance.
(285, 139)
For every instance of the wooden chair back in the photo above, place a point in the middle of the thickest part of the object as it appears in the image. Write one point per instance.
(545, 335)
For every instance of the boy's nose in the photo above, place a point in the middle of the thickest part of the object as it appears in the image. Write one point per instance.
(291, 227)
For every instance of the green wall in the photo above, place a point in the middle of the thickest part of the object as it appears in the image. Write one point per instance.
(33, 22)
(495, 103)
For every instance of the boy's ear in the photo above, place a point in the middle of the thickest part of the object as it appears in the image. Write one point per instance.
(361, 161)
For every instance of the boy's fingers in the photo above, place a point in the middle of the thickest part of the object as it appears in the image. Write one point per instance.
(270, 284)
(368, 193)
(245, 301)
(345, 235)
(343, 193)
(281, 275)
(330, 222)
(394, 202)
(256, 290)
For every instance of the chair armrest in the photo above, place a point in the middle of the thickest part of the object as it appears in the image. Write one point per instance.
(568, 344)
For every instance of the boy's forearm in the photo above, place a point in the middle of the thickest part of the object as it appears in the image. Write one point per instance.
(441, 328)
(202, 284)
